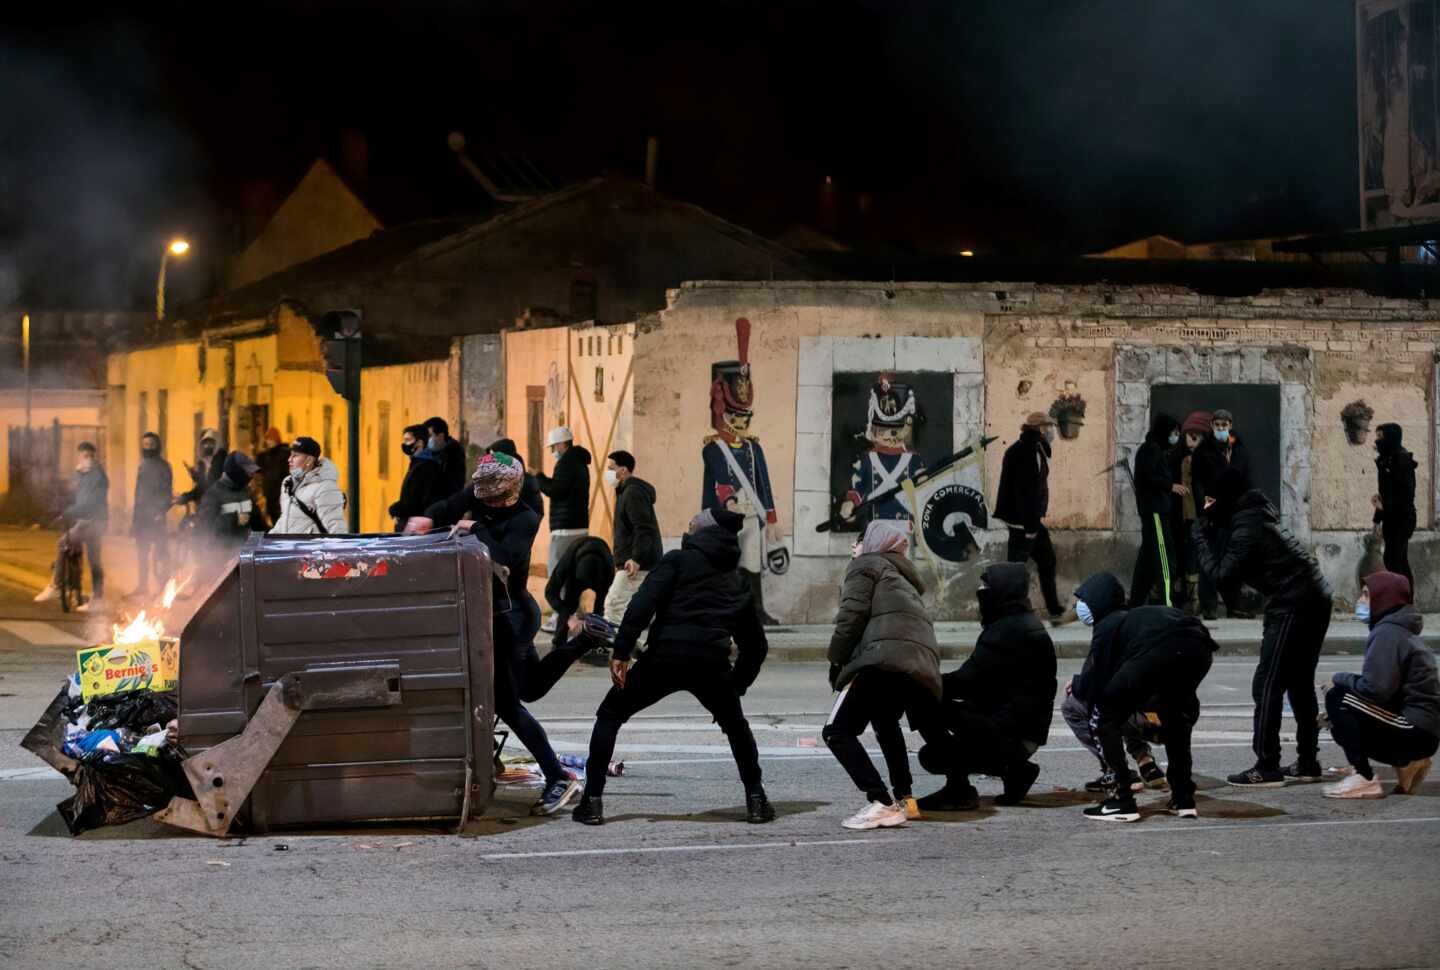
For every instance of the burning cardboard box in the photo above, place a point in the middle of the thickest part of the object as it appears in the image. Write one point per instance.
(140, 658)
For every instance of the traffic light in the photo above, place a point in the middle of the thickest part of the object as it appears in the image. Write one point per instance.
(341, 349)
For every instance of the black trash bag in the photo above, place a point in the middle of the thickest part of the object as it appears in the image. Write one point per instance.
(47, 738)
(136, 711)
(112, 788)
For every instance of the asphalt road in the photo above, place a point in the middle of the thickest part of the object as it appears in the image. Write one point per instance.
(1281, 878)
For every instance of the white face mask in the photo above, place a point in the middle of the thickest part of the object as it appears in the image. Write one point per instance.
(612, 478)
(1174, 437)
(1222, 434)
(1082, 610)
(1362, 612)
(297, 473)
(1050, 434)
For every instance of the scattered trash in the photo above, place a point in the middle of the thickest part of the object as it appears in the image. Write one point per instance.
(577, 762)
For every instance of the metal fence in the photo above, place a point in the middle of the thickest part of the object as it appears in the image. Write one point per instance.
(42, 464)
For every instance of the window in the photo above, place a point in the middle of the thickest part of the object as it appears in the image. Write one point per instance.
(535, 427)
(579, 346)
(290, 425)
(600, 384)
(384, 443)
(327, 425)
(162, 420)
(142, 414)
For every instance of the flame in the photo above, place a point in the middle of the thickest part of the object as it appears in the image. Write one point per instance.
(173, 587)
(138, 630)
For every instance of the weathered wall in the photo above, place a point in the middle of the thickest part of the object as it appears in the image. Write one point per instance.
(482, 388)
(76, 407)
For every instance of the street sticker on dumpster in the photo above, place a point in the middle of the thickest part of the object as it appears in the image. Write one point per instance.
(334, 567)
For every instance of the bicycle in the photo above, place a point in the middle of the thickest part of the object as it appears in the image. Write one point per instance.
(71, 572)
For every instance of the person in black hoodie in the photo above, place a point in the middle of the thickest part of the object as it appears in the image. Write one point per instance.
(999, 704)
(587, 565)
(1395, 501)
(637, 533)
(1023, 499)
(569, 493)
(530, 490)
(1138, 657)
(1241, 540)
(227, 513)
(693, 604)
(450, 453)
(154, 493)
(1153, 488)
(422, 485)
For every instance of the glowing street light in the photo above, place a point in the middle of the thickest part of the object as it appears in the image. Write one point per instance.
(178, 247)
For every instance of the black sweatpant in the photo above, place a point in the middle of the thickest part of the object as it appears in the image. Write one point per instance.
(655, 677)
(1168, 675)
(1042, 550)
(539, 674)
(1154, 563)
(1366, 730)
(1397, 552)
(152, 554)
(880, 698)
(1289, 652)
(89, 535)
(514, 634)
(979, 745)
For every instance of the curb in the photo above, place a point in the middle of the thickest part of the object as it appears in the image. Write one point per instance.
(815, 653)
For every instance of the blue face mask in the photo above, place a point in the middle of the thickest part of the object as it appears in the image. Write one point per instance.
(1362, 611)
(1222, 434)
(1174, 437)
(1082, 610)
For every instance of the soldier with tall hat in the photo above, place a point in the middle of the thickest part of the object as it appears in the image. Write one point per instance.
(736, 475)
(892, 417)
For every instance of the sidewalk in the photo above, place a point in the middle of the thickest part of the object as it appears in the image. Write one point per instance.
(26, 554)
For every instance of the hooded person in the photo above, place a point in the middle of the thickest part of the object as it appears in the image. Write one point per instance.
(424, 478)
(1390, 711)
(1395, 501)
(1143, 657)
(885, 663)
(227, 513)
(274, 462)
(154, 494)
(1195, 464)
(311, 502)
(587, 565)
(1154, 490)
(1022, 501)
(998, 704)
(1240, 541)
(693, 605)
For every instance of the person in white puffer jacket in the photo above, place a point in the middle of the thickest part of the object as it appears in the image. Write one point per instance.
(311, 502)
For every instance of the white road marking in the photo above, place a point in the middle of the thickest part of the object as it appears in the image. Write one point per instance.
(655, 849)
(29, 774)
(1238, 825)
(794, 754)
(41, 634)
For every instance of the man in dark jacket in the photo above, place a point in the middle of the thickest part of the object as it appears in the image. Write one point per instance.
(1138, 657)
(587, 565)
(1242, 541)
(450, 453)
(274, 462)
(1195, 464)
(154, 492)
(693, 604)
(530, 490)
(1231, 449)
(85, 518)
(1395, 501)
(637, 534)
(209, 463)
(998, 705)
(1023, 500)
(423, 479)
(227, 513)
(1390, 711)
(1153, 488)
(569, 493)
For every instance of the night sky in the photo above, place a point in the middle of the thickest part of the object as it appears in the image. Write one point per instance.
(1013, 126)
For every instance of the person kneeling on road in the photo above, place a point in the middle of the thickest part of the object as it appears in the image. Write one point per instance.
(693, 604)
(1390, 711)
(1147, 655)
(998, 705)
(885, 662)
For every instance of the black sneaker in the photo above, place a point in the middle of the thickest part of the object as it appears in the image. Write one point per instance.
(1017, 783)
(1115, 810)
(758, 809)
(950, 799)
(1303, 772)
(1258, 778)
(1151, 775)
(556, 796)
(1184, 808)
(589, 811)
(1102, 784)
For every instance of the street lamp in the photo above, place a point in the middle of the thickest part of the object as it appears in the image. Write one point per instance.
(178, 247)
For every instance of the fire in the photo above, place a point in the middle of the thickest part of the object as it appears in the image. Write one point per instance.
(172, 590)
(138, 630)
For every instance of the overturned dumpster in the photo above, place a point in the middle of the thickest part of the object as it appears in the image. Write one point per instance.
(335, 679)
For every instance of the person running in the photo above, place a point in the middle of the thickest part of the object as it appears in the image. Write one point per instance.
(1023, 499)
(1242, 541)
(999, 704)
(1395, 501)
(693, 604)
(885, 663)
(1390, 711)
(1153, 490)
(1143, 656)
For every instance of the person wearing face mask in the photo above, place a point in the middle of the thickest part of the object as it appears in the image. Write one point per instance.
(1394, 503)
(569, 493)
(1023, 499)
(1242, 541)
(1194, 464)
(448, 450)
(311, 502)
(154, 493)
(227, 513)
(1141, 658)
(1154, 488)
(1390, 711)
(637, 547)
(209, 464)
(86, 518)
(998, 705)
(422, 485)
(1232, 450)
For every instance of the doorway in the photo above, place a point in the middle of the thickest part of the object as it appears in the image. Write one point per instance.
(1257, 421)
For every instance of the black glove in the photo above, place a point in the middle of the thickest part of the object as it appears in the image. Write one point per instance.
(834, 675)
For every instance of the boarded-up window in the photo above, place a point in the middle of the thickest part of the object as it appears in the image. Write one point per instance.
(162, 419)
(535, 426)
(384, 443)
(142, 414)
(327, 435)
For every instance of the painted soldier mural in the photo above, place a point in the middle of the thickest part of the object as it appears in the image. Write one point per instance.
(736, 475)
(893, 413)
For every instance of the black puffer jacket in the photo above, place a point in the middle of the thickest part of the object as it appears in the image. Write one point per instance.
(568, 490)
(1395, 475)
(1257, 550)
(637, 534)
(883, 624)
(1023, 498)
(1153, 480)
(693, 603)
(1011, 674)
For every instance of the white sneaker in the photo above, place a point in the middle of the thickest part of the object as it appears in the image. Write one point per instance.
(1408, 778)
(1356, 786)
(549, 625)
(876, 816)
(48, 593)
(91, 605)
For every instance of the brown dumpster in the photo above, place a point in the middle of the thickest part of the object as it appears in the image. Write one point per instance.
(337, 679)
